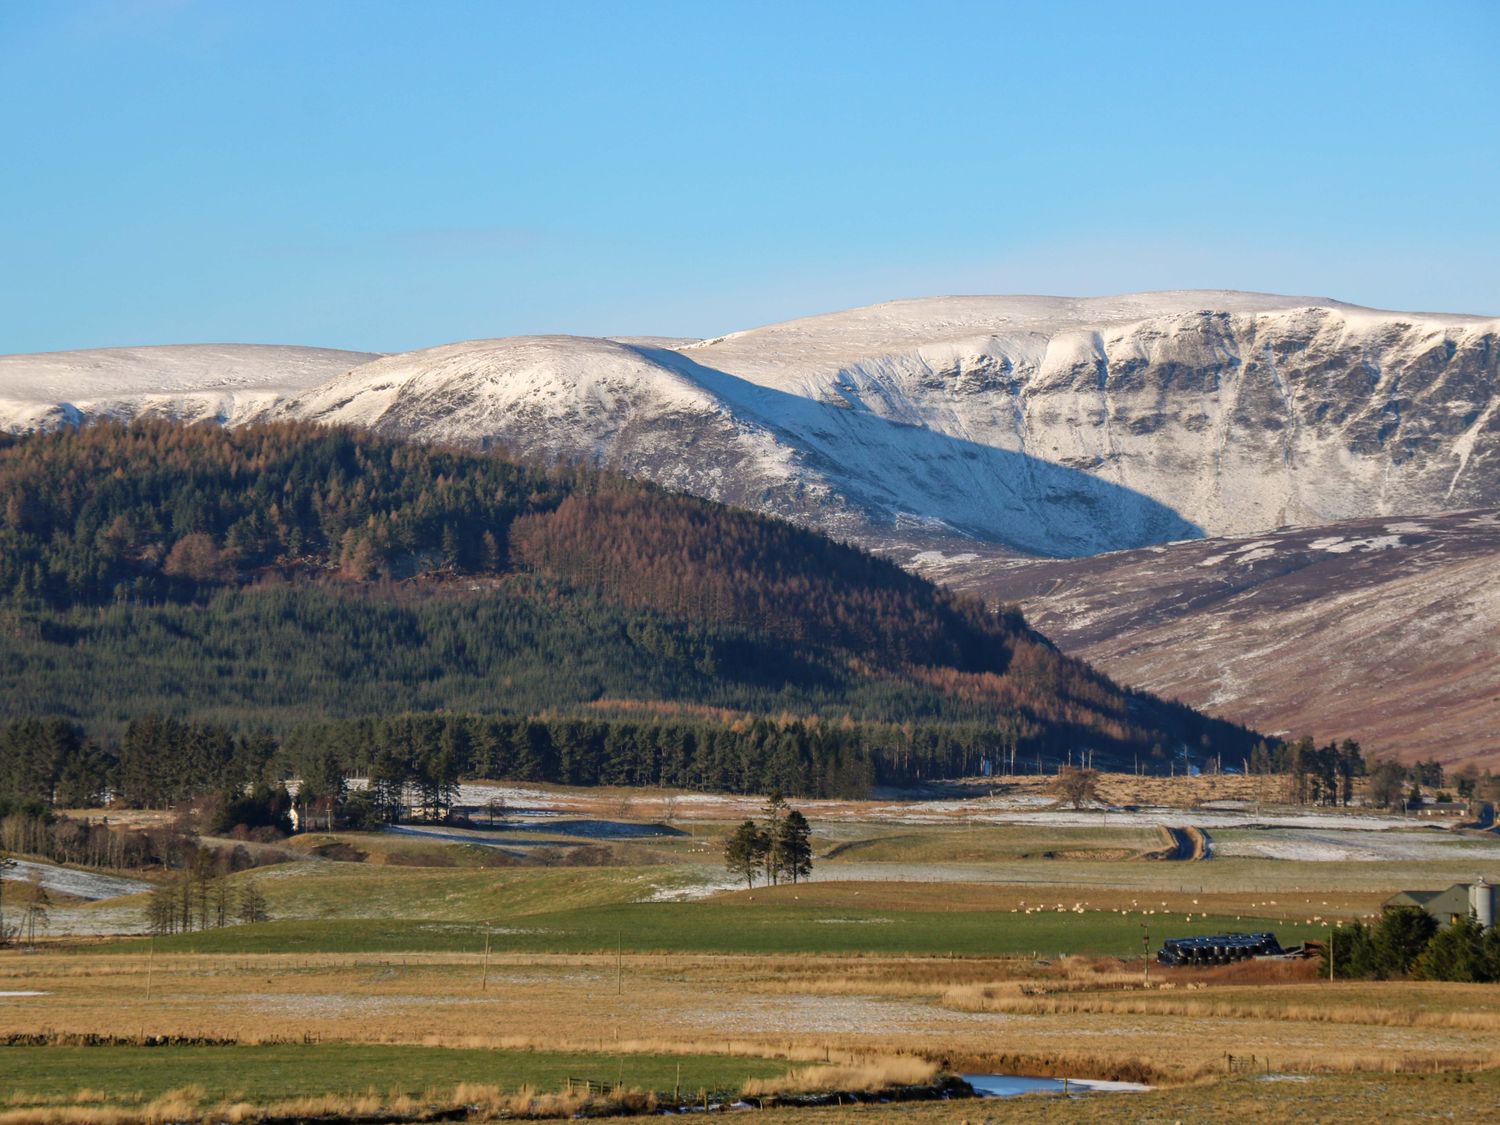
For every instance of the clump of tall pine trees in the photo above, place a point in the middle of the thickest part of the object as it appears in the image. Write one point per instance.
(778, 848)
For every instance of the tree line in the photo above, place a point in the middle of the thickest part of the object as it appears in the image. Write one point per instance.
(1321, 775)
(413, 763)
(28, 826)
(1326, 775)
(201, 898)
(1407, 941)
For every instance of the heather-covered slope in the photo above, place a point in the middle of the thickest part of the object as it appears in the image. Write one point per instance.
(1384, 630)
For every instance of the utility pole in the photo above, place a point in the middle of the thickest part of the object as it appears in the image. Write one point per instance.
(484, 980)
(1146, 950)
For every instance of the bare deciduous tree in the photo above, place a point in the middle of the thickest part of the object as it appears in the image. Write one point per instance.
(1080, 786)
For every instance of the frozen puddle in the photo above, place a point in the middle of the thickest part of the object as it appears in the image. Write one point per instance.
(7, 994)
(1011, 1085)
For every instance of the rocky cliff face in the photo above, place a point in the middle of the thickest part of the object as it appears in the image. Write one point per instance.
(1048, 426)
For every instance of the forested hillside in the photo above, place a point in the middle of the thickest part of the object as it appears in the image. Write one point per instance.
(276, 576)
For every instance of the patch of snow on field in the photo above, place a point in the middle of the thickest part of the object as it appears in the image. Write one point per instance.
(1108, 1086)
(710, 799)
(1366, 847)
(1304, 851)
(514, 797)
(96, 919)
(79, 884)
(1200, 818)
(708, 881)
(517, 799)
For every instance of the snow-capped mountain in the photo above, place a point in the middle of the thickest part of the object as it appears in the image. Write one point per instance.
(1059, 427)
(1046, 425)
(227, 383)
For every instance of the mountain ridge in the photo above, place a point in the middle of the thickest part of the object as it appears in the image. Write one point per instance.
(227, 383)
(1045, 425)
(1055, 427)
(1005, 428)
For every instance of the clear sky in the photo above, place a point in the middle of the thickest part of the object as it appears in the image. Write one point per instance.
(392, 175)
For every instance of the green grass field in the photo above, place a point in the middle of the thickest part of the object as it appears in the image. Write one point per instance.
(286, 1071)
(715, 927)
(356, 890)
(991, 844)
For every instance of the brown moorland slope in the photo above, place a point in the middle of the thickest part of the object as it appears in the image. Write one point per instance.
(1386, 630)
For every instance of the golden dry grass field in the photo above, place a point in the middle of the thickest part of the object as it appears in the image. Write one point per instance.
(986, 934)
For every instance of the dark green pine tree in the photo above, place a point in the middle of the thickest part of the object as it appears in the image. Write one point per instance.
(1399, 938)
(794, 847)
(745, 851)
(1456, 953)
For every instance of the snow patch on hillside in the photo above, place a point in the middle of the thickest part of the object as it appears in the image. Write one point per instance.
(89, 885)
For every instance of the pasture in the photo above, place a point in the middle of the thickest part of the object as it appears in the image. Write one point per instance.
(593, 930)
(271, 1072)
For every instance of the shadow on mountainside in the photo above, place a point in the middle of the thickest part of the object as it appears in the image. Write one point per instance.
(903, 478)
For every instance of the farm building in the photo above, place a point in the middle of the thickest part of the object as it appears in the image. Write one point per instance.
(1458, 901)
(320, 815)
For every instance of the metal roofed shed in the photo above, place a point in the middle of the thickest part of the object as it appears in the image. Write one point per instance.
(1476, 900)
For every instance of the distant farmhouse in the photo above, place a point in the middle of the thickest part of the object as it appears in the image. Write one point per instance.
(1457, 902)
(320, 815)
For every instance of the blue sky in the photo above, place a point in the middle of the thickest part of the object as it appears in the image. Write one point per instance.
(393, 175)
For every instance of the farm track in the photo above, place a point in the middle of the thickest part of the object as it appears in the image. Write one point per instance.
(1182, 845)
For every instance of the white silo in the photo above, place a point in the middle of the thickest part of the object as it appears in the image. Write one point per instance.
(1482, 903)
